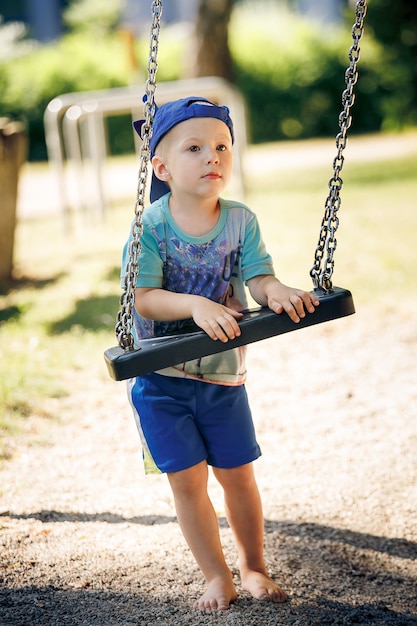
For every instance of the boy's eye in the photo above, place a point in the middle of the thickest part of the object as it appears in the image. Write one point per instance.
(221, 148)
(194, 148)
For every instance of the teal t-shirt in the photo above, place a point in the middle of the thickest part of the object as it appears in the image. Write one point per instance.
(216, 266)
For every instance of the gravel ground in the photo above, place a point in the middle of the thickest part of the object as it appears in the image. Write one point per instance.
(88, 540)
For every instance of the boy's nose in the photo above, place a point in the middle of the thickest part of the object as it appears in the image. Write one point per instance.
(212, 156)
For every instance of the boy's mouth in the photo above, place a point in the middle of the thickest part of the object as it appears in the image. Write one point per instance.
(212, 175)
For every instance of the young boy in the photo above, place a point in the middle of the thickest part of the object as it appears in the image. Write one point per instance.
(198, 251)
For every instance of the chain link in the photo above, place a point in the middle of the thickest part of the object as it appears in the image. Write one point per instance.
(127, 300)
(322, 270)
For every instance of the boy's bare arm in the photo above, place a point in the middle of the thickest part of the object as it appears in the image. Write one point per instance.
(269, 291)
(218, 321)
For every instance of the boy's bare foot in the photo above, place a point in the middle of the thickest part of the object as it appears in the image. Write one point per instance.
(262, 587)
(220, 593)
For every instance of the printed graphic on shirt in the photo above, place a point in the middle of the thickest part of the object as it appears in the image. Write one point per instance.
(214, 266)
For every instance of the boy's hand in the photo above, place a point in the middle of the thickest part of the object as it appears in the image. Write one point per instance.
(294, 302)
(269, 291)
(218, 321)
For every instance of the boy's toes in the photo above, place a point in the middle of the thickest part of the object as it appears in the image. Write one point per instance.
(214, 604)
(218, 596)
(277, 595)
(263, 588)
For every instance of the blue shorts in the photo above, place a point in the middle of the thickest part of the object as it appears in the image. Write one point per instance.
(182, 422)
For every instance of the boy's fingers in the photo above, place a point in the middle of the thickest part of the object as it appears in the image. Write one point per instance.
(310, 302)
(229, 326)
(233, 313)
(224, 328)
(296, 305)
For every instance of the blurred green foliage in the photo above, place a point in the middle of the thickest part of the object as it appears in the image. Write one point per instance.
(93, 16)
(290, 72)
(393, 24)
(28, 83)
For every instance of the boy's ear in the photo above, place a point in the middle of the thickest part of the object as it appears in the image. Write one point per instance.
(160, 169)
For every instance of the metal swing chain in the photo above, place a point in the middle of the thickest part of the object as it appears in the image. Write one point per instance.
(127, 299)
(322, 270)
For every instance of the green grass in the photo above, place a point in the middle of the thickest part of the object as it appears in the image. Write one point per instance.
(59, 315)
(376, 251)
(56, 319)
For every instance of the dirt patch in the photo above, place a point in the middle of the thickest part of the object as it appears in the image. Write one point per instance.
(88, 540)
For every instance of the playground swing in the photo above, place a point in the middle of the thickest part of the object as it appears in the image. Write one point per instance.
(130, 359)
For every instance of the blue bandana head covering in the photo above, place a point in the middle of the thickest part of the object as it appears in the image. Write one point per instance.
(173, 113)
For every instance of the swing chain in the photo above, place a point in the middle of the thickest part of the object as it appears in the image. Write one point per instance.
(127, 300)
(322, 271)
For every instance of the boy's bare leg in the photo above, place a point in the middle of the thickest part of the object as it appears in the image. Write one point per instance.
(244, 513)
(199, 525)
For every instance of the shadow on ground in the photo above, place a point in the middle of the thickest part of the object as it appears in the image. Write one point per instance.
(305, 531)
(46, 606)
(95, 313)
(352, 578)
(25, 282)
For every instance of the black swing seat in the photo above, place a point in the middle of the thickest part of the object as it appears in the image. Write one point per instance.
(150, 355)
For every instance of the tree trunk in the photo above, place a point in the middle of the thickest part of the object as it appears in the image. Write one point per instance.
(13, 153)
(212, 55)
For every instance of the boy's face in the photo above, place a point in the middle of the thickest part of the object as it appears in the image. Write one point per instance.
(195, 158)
